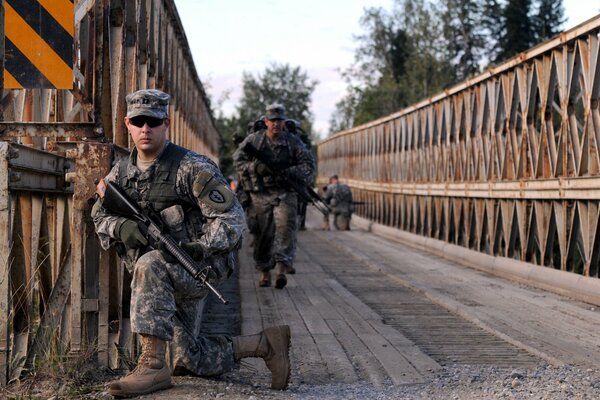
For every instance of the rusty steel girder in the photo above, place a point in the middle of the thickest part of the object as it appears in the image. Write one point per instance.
(55, 281)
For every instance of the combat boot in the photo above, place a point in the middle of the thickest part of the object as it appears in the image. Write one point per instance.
(290, 270)
(280, 279)
(265, 279)
(151, 373)
(272, 345)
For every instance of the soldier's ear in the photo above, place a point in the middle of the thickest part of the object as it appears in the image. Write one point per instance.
(167, 122)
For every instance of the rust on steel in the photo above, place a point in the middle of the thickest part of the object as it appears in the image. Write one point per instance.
(505, 163)
(55, 282)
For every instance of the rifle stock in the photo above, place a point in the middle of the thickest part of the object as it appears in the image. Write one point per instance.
(305, 192)
(116, 200)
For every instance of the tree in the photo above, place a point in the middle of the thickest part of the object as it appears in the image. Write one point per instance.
(227, 126)
(464, 36)
(400, 60)
(277, 84)
(549, 19)
(518, 33)
(492, 22)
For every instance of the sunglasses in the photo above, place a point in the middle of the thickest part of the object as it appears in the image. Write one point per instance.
(141, 120)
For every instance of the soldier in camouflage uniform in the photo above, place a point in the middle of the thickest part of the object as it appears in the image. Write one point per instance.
(293, 126)
(273, 206)
(339, 198)
(200, 212)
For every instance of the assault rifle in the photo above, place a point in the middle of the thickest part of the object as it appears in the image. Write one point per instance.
(305, 192)
(117, 201)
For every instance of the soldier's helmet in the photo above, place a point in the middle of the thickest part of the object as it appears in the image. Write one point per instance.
(149, 102)
(275, 111)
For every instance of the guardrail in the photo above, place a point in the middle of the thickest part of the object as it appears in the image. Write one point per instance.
(506, 163)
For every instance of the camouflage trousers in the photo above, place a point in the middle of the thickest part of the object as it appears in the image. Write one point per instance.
(167, 302)
(341, 220)
(272, 219)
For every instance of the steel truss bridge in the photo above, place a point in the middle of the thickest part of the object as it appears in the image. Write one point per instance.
(500, 172)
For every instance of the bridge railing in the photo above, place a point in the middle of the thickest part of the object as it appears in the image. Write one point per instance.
(506, 163)
(57, 288)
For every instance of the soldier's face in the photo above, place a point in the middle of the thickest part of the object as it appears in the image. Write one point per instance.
(148, 140)
(274, 126)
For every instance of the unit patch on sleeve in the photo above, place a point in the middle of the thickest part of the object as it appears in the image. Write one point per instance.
(212, 192)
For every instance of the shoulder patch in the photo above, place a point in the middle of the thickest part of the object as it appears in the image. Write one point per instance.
(200, 182)
(212, 192)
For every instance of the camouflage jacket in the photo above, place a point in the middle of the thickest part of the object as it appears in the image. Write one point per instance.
(339, 197)
(217, 227)
(289, 154)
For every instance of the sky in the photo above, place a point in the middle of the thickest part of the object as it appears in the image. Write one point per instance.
(230, 37)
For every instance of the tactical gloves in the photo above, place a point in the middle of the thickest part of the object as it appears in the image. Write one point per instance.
(194, 249)
(129, 233)
(262, 169)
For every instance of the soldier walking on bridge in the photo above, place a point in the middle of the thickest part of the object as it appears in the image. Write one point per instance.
(294, 126)
(273, 203)
(339, 198)
(191, 198)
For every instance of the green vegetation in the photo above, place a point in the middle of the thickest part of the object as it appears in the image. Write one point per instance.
(424, 46)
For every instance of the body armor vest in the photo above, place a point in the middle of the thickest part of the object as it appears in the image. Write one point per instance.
(159, 191)
(281, 156)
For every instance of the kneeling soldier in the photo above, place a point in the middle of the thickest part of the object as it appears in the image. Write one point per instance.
(200, 211)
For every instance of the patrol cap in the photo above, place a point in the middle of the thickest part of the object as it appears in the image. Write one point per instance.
(275, 111)
(148, 102)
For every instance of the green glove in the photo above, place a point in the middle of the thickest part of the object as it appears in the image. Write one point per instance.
(194, 249)
(262, 169)
(130, 235)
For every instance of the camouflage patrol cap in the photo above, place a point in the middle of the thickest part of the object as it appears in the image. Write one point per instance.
(275, 111)
(148, 102)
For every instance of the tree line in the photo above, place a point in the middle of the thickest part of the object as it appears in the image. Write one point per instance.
(404, 55)
(422, 47)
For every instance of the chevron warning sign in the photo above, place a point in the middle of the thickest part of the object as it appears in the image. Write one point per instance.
(38, 43)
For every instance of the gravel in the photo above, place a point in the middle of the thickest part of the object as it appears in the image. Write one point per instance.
(464, 382)
(454, 383)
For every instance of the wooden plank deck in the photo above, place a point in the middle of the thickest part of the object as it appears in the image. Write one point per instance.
(336, 338)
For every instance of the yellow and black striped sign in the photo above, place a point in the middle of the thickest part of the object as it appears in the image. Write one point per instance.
(38, 42)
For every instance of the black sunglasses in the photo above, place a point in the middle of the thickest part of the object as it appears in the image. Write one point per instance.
(141, 120)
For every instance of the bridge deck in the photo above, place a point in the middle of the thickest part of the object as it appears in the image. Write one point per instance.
(366, 309)
(363, 308)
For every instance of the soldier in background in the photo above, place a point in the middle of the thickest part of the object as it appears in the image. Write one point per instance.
(273, 207)
(293, 126)
(339, 199)
(201, 212)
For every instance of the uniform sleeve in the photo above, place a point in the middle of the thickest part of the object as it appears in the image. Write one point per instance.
(225, 220)
(304, 168)
(105, 222)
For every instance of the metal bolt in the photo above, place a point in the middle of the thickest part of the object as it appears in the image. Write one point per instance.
(71, 177)
(13, 153)
(72, 153)
(14, 176)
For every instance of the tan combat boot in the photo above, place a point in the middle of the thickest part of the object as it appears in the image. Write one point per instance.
(265, 279)
(280, 279)
(151, 373)
(273, 345)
